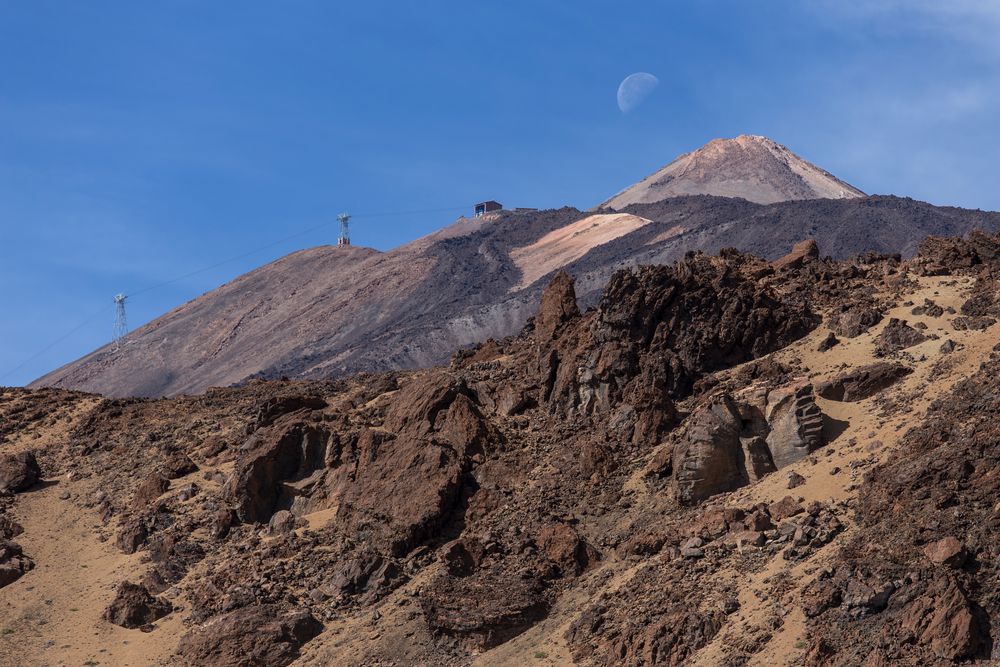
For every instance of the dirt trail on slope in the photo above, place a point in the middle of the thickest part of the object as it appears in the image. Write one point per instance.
(52, 615)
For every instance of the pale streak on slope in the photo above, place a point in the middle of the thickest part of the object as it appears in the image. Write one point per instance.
(568, 244)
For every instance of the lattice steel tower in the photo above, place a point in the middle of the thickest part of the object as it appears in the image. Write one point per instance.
(345, 232)
(121, 325)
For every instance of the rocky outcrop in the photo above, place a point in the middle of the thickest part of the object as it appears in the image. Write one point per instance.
(558, 305)
(484, 610)
(289, 451)
(657, 330)
(134, 607)
(795, 423)
(942, 256)
(18, 472)
(863, 382)
(802, 252)
(258, 636)
(727, 443)
(707, 460)
(895, 336)
(852, 320)
(944, 620)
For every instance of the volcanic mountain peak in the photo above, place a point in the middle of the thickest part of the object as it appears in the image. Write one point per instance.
(751, 167)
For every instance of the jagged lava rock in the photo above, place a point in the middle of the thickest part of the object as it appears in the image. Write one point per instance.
(257, 636)
(134, 607)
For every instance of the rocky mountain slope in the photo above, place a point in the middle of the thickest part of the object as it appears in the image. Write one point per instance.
(751, 167)
(327, 312)
(727, 461)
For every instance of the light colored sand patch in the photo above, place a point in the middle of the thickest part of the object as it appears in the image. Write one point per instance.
(52, 615)
(568, 244)
(676, 230)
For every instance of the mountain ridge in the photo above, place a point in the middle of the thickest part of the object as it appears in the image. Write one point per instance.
(412, 306)
(751, 167)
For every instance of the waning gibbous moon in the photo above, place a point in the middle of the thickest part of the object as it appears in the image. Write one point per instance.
(634, 89)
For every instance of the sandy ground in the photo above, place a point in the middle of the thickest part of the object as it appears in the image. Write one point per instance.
(570, 243)
(52, 615)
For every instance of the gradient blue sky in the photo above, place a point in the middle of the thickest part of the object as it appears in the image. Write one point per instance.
(142, 141)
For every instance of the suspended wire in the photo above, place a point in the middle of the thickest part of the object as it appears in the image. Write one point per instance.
(217, 265)
(227, 261)
(51, 345)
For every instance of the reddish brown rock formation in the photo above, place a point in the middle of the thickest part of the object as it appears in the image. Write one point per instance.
(260, 636)
(134, 607)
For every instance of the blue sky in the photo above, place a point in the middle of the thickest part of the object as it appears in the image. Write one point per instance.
(142, 141)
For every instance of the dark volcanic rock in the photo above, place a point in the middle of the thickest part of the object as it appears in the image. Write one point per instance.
(863, 382)
(944, 620)
(18, 472)
(258, 636)
(13, 563)
(854, 319)
(828, 343)
(558, 304)
(288, 451)
(134, 607)
(707, 459)
(897, 335)
(483, 611)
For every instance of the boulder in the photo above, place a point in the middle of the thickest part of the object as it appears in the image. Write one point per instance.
(828, 343)
(485, 609)
(795, 422)
(134, 607)
(256, 636)
(13, 563)
(949, 552)
(561, 544)
(895, 336)
(863, 382)
(149, 490)
(854, 319)
(18, 472)
(281, 522)
(289, 450)
(707, 458)
(802, 252)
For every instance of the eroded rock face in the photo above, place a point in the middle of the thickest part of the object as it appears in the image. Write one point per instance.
(286, 452)
(484, 610)
(707, 460)
(796, 424)
(727, 443)
(18, 472)
(134, 607)
(258, 636)
(863, 382)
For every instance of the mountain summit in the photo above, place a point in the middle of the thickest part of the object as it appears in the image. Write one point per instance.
(752, 167)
